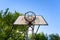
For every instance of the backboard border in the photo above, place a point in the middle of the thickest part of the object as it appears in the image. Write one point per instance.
(33, 24)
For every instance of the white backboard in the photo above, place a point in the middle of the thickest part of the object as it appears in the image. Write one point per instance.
(39, 21)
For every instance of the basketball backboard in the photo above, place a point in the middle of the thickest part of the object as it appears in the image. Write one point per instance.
(39, 21)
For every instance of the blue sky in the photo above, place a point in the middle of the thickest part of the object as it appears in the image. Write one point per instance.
(49, 9)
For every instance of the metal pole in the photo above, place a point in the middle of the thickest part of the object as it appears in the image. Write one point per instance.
(33, 33)
(27, 34)
(37, 29)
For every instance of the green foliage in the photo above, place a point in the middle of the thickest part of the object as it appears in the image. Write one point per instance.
(40, 36)
(54, 37)
(7, 31)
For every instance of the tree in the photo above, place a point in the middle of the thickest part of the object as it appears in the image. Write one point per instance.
(40, 36)
(7, 31)
(54, 37)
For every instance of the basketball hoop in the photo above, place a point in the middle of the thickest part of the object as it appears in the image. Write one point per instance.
(30, 17)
